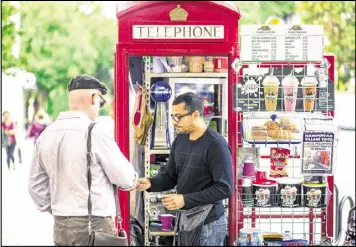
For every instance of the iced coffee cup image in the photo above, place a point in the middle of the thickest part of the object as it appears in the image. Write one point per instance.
(309, 84)
(290, 91)
(270, 87)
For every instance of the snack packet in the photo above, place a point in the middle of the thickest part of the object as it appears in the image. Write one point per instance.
(279, 162)
(295, 242)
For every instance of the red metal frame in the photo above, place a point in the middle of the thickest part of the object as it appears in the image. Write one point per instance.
(327, 213)
(200, 12)
(330, 213)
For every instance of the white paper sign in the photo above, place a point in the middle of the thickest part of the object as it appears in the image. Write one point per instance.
(317, 152)
(177, 31)
(282, 43)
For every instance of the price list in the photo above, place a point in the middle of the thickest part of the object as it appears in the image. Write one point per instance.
(264, 47)
(281, 43)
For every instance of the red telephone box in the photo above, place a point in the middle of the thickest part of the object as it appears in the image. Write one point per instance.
(175, 28)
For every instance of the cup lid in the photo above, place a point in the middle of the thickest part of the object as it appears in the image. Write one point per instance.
(246, 182)
(290, 181)
(265, 182)
(271, 79)
(248, 160)
(309, 80)
(314, 185)
(166, 215)
(290, 80)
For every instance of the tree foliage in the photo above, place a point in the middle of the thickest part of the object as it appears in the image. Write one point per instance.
(8, 34)
(338, 19)
(63, 39)
(257, 12)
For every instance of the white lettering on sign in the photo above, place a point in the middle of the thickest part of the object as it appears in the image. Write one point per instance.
(177, 32)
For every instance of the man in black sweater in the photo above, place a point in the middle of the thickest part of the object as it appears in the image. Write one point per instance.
(200, 165)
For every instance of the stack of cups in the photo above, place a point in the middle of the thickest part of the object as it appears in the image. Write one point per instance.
(248, 173)
(247, 197)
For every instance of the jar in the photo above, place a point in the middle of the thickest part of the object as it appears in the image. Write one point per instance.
(209, 65)
(196, 64)
(220, 64)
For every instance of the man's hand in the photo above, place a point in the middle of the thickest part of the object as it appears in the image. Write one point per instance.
(143, 184)
(173, 201)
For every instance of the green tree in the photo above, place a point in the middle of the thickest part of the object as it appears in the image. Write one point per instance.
(8, 34)
(257, 12)
(338, 19)
(61, 40)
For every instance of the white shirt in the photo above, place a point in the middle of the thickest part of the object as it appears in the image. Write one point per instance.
(58, 176)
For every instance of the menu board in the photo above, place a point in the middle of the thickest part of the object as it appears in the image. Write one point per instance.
(282, 43)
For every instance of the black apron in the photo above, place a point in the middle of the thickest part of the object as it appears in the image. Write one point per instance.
(189, 225)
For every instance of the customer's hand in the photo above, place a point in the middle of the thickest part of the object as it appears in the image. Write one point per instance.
(173, 201)
(143, 184)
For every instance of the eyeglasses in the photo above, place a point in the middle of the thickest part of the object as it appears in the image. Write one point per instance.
(177, 118)
(102, 102)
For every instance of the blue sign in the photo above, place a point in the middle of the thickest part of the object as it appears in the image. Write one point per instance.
(161, 92)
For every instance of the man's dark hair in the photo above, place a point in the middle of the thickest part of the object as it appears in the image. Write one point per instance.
(192, 102)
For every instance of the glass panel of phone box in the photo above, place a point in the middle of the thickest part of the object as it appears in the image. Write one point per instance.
(286, 140)
(158, 81)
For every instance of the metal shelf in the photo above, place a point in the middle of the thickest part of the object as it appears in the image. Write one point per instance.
(190, 75)
(159, 151)
(157, 231)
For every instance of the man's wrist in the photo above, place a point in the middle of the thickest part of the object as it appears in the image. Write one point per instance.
(150, 184)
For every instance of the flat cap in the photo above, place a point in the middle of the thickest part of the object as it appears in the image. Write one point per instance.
(86, 82)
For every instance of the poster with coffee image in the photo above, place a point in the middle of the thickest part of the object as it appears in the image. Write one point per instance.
(282, 90)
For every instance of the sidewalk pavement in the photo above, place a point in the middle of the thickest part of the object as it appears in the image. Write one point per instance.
(345, 110)
(22, 223)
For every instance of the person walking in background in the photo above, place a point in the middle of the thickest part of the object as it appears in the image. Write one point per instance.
(19, 142)
(8, 139)
(58, 181)
(38, 125)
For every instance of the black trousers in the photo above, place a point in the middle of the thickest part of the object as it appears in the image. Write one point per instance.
(10, 154)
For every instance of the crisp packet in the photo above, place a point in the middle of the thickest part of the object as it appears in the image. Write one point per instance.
(295, 242)
(279, 162)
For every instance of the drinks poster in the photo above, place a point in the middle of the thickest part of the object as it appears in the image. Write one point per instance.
(317, 153)
(282, 89)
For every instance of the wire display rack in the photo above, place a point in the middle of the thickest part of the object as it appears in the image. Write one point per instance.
(302, 222)
(252, 76)
(312, 224)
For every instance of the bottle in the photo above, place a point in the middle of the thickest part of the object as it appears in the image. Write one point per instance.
(243, 241)
(209, 65)
(287, 235)
(255, 240)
